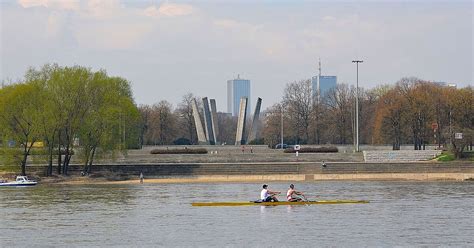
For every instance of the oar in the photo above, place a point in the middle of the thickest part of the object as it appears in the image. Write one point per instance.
(304, 199)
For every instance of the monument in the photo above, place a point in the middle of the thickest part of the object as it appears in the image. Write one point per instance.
(197, 122)
(208, 122)
(240, 134)
(254, 125)
(215, 125)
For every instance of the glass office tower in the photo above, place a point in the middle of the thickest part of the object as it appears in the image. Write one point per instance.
(322, 84)
(236, 89)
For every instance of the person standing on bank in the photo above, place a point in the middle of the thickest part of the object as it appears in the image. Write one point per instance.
(141, 177)
(267, 195)
(292, 195)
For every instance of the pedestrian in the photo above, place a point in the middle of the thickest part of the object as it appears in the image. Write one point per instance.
(243, 149)
(251, 149)
(141, 177)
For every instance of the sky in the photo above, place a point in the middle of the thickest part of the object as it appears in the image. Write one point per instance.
(167, 49)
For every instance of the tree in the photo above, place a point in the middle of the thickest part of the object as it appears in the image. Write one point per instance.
(19, 117)
(163, 126)
(388, 119)
(298, 101)
(419, 109)
(186, 118)
(110, 115)
(462, 119)
(339, 102)
(49, 119)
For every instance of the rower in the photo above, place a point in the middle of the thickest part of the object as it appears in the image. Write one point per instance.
(292, 195)
(267, 195)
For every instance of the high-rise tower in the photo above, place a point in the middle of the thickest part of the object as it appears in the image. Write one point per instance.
(236, 89)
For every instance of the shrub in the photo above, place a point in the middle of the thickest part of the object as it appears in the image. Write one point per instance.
(179, 151)
(313, 150)
(446, 157)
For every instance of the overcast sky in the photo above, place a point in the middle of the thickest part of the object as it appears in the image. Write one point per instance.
(169, 48)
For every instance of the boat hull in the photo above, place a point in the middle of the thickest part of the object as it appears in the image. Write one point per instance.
(14, 184)
(251, 203)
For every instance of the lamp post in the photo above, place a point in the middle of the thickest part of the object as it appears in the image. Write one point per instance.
(357, 104)
(281, 115)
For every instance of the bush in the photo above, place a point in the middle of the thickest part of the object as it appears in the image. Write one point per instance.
(179, 151)
(313, 150)
(444, 157)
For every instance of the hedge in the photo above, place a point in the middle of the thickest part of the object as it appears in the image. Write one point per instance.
(179, 151)
(313, 150)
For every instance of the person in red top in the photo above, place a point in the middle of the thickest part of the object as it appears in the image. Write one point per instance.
(292, 195)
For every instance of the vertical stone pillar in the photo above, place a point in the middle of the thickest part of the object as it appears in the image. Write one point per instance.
(197, 122)
(254, 126)
(208, 121)
(240, 134)
(215, 126)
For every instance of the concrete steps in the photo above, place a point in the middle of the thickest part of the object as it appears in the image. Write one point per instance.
(400, 156)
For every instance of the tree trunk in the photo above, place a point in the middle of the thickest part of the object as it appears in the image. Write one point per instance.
(59, 153)
(66, 160)
(49, 172)
(23, 168)
(91, 160)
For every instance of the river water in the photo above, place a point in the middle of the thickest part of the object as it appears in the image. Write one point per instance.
(160, 215)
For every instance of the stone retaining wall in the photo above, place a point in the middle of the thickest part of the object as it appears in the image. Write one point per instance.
(307, 170)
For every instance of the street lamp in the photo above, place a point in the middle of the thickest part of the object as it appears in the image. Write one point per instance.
(281, 115)
(357, 104)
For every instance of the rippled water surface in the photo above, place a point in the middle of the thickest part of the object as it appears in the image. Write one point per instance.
(151, 215)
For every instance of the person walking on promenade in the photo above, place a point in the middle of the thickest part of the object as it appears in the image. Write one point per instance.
(292, 195)
(141, 177)
(267, 195)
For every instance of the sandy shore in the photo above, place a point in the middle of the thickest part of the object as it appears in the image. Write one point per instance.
(266, 178)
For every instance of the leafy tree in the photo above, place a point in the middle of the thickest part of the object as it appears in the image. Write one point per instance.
(19, 117)
(462, 120)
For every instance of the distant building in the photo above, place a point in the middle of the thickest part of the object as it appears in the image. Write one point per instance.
(236, 89)
(321, 85)
(444, 84)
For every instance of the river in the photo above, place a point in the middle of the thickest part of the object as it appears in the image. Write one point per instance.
(160, 215)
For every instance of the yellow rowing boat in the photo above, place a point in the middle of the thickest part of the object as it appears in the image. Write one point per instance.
(256, 203)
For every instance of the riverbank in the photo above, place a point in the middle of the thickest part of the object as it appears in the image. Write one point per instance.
(249, 172)
(269, 178)
(229, 164)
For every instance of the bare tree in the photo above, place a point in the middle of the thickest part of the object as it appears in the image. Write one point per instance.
(339, 102)
(186, 118)
(298, 101)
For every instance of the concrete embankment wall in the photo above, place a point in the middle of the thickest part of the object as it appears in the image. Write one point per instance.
(284, 171)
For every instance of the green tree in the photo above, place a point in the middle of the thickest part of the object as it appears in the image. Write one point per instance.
(109, 119)
(19, 114)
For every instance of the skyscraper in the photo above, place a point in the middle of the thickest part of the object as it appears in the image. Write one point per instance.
(326, 83)
(236, 89)
(321, 85)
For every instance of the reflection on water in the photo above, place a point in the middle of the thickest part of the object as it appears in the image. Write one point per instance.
(400, 214)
